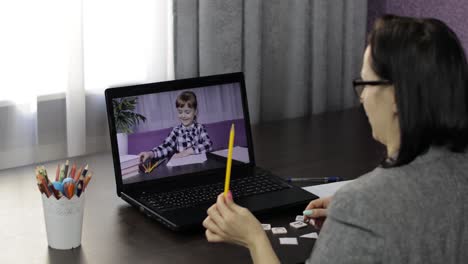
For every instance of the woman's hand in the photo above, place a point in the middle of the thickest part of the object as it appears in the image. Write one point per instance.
(229, 222)
(145, 155)
(317, 211)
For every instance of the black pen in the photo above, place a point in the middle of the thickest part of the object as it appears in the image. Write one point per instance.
(320, 180)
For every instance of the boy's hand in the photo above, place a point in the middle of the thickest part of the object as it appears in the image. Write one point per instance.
(145, 155)
(184, 153)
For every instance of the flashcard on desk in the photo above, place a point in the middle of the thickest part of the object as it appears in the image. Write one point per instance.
(300, 218)
(310, 235)
(279, 230)
(266, 227)
(298, 224)
(288, 241)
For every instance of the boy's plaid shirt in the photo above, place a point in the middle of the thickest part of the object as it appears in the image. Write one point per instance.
(181, 138)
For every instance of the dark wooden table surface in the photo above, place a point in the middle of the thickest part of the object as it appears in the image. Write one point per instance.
(332, 144)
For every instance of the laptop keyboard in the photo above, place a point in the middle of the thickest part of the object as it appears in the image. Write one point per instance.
(242, 187)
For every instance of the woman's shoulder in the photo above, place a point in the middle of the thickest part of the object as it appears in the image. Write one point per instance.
(373, 181)
(386, 193)
(382, 186)
(371, 199)
(433, 166)
(367, 185)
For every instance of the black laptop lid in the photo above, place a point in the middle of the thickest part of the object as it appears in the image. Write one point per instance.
(167, 118)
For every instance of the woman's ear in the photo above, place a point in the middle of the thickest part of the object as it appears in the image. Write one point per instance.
(394, 108)
(394, 103)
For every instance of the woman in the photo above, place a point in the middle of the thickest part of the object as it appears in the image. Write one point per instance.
(413, 207)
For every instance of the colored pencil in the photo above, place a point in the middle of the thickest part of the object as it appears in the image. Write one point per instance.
(57, 173)
(87, 179)
(72, 171)
(77, 175)
(40, 185)
(65, 174)
(80, 182)
(85, 171)
(42, 181)
(62, 173)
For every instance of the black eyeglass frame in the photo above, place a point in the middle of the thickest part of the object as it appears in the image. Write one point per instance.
(359, 84)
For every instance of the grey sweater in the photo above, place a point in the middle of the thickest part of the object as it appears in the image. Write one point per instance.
(417, 213)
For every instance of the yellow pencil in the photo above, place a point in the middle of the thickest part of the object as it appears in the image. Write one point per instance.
(229, 161)
(154, 166)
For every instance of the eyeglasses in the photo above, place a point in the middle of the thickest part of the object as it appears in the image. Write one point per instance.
(360, 84)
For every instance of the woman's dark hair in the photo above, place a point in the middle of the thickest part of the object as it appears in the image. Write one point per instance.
(426, 63)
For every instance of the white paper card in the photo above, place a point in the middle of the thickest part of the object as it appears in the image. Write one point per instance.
(300, 218)
(279, 230)
(288, 241)
(190, 159)
(298, 224)
(328, 189)
(310, 235)
(238, 153)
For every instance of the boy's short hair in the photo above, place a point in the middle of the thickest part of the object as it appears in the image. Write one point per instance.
(187, 97)
(427, 65)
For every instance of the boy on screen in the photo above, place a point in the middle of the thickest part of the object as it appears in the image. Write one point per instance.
(185, 139)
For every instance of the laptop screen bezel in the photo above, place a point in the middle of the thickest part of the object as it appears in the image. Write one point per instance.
(167, 86)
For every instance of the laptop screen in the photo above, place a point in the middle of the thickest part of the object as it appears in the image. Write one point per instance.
(171, 133)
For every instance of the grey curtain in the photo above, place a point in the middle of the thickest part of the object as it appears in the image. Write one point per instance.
(299, 56)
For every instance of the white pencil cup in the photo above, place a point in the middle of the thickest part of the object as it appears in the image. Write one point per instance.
(64, 220)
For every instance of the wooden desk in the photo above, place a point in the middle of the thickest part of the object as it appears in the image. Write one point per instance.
(333, 144)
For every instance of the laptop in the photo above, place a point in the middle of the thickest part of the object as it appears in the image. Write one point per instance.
(183, 127)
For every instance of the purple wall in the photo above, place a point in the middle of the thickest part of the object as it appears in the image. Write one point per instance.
(453, 12)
